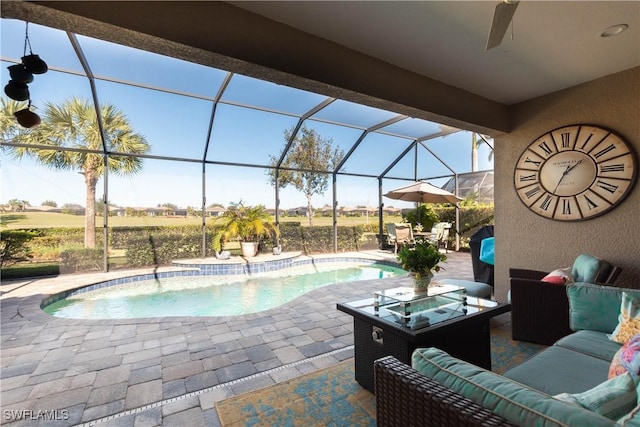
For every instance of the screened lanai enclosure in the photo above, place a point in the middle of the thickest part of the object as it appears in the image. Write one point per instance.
(163, 146)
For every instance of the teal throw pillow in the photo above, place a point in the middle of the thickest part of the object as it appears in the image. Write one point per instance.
(632, 419)
(586, 268)
(612, 399)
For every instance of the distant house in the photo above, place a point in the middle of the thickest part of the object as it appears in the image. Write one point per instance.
(365, 211)
(299, 211)
(272, 211)
(391, 211)
(215, 211)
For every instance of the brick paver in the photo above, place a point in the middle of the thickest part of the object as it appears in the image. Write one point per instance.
(99, 368)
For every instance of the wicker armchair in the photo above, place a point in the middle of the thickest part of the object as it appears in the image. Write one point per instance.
(540, 310)
(405, 397)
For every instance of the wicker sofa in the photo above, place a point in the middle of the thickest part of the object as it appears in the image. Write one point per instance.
(445, 391)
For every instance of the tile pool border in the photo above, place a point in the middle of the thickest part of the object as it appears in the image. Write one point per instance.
(196, 269)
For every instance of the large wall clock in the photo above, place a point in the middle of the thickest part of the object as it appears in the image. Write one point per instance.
(575, 173)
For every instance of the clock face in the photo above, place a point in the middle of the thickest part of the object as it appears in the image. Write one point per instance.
(575, 173)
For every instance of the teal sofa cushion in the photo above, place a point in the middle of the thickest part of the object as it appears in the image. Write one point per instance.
(515, 402)
(558, 370)
(595, 307)
(592, 343)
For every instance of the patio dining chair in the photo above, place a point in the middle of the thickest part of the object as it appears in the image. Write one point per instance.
(391, 234)
(404, 235)
(439, 236)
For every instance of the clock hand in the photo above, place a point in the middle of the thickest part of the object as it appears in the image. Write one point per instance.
(566, 171)
(571, 168)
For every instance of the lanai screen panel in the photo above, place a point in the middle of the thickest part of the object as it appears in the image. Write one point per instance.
(149, 69)
(248, 91)
(340, 138)
(351, 114)
(173, 125)
(231, 184)
(375, 153)
(247, 136)
(160, 182)
(414, 128)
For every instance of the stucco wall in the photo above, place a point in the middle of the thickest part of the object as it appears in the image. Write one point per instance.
(526, 240)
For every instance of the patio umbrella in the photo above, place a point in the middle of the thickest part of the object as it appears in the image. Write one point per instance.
(423, 192)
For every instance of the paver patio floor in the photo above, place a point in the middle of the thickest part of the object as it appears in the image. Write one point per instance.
(165, 371)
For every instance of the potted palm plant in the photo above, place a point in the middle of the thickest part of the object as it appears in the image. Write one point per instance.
(248, 224)
(421, 261)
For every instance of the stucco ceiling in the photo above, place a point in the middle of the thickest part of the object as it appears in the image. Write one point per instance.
(423, 59)
(551, 45)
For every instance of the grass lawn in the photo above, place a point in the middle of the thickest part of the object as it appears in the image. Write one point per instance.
(15, 220)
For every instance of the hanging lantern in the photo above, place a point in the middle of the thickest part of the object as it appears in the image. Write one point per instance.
(19, 73)
(27, 118)
(34, 64)
(17, 90)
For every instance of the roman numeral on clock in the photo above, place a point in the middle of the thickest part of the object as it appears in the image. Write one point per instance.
(612, 168)
(531, 177)
(604, 151)
(546, 202)
(606, 186)
(590, 203)
(535, 190)
(586, 141)
(528, 160)
(543, 145)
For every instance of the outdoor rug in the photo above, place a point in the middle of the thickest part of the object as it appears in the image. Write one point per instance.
(506, 353)
(332, 397)
(328, 397)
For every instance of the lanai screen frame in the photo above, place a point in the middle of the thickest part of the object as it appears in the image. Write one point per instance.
(415, 143)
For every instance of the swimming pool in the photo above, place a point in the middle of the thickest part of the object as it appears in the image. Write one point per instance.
(208, 295)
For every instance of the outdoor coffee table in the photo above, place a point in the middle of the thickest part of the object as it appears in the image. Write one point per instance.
(382, 326)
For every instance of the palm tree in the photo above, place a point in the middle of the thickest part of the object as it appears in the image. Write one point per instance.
(9, 128)
(474, 150)
(74, 123)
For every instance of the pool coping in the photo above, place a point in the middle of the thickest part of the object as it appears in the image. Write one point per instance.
(169, 370)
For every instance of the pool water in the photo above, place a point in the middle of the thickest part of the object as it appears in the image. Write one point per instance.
(210, 295)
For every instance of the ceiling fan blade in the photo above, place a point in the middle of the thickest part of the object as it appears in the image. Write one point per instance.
(501, 19)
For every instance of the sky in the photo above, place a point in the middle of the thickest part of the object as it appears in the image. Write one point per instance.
(176, 125)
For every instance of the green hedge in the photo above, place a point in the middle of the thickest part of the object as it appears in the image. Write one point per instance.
(150, 246)
(471, 220)
(76, 260)
(161, 245)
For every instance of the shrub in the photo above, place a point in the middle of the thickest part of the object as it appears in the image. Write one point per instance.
(74, 260)
(14, 248)
(162, 248)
